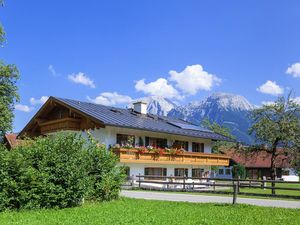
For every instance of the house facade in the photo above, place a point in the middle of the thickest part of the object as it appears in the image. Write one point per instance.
(145, 144)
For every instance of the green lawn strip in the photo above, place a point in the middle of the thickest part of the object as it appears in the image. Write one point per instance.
(136, 211)
(279, 192)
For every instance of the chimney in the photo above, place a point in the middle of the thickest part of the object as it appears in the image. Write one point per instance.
(140, 107)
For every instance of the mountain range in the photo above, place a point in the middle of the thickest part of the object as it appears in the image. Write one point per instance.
(226, 109)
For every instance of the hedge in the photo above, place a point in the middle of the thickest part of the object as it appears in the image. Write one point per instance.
(57, 171)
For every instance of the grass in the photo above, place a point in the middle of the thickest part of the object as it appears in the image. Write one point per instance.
(269, 191)
(278, 192)
(133, 211)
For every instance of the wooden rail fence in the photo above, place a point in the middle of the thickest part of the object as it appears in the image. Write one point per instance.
(189, 184)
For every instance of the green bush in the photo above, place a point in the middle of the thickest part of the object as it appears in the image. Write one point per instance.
(239, 170)
(105, 177)
(57, 172)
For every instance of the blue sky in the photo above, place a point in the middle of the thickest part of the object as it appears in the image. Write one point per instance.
(102, 50)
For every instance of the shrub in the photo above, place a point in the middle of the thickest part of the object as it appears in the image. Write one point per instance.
(57, 172)
(105, 177)
(239, 170)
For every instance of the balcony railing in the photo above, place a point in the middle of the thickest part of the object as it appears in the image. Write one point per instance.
(176, 158)
(60, 124)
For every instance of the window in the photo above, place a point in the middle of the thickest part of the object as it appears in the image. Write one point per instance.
(197, 172)
(228, 171)
(197, 147)
(180, 172)
(125, 139)
(156, 142)
(181, 144)
(221, 171)
(151, 171)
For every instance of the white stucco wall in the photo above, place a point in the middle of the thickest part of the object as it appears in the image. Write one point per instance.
(138, 168)
(108, 136)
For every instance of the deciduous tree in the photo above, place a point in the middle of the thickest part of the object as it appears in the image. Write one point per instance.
(215, 127)
(277, 125)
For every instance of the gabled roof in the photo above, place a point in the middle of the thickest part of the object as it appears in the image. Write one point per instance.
(11, 140)
(127, 118)
(259, 158)
(112, 116)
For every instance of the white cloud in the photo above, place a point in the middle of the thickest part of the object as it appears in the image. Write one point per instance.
(160, 87)
(193, 79)
(270, 87)
(111, 99)
(39, 101)
(81, 78)
(23, 108)
(52, 70)
(294, 70)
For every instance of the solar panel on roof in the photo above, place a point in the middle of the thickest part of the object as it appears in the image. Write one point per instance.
(189, 126)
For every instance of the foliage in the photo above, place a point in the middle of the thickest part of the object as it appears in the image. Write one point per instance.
(277, 125)
(9, 75)
(8, 96)
(2, 33)
(239, 170)
(105, 177)
(138, 211)
(225, 131)
(50, 172)
(57, 172)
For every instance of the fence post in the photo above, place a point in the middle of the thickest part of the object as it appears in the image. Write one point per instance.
(183, 182)
(273, 188)
(139, 180)
(238, 184)
(264, 183)
(235, 190)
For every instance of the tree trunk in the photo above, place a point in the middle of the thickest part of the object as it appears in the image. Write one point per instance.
(273, 166)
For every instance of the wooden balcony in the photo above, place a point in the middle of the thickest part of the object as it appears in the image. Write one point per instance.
(185, 158)
(60, 124)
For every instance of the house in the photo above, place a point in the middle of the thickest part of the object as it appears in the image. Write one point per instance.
(146, 144)
(224, 172)
(258, 163)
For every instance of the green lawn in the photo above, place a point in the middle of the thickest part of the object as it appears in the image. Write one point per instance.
(132, 211)
(279, 192)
